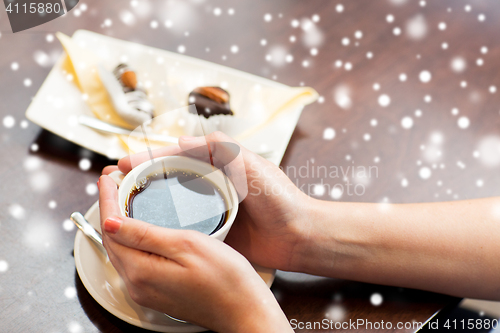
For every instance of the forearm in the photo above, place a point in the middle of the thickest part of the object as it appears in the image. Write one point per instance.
(450, 247)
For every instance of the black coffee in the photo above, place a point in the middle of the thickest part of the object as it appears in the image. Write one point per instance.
(178, 199)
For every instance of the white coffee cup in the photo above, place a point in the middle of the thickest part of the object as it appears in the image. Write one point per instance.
(128, 182)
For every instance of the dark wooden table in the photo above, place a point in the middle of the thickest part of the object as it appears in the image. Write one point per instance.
(385, 42)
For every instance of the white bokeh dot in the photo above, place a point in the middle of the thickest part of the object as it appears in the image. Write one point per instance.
(425, 76)
(407, 122)
(217, 11)
(376, 299)
(319, 190)
(27, 82)
(268, 17)
(339, 8)
(70, 292)
(181, 49)
(91, 189)
(9, 121)
(442, 26)
(404, 182)
(463, 122)
(4, 266)
(84, 164)
(492, 89)
(75, 327)
(425, 173)
(52, 204)
(14, 66)
(458, 64)
(336, 192)
(389, 18)
(68, 225)
(235, 49)
(402, 77)
(328, 133)
(384, 100)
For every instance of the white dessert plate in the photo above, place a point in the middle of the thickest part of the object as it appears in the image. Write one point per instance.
(59, 102)
(105, 285)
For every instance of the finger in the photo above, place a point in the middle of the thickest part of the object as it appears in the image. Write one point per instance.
(109, 169)
(108, 199)
(139, 235)
(225, 154)
(138, 267)
(129, 162)
(215, 145)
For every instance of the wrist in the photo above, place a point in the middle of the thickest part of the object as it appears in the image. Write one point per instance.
(260, 313)
(316, 236)
(304, 229)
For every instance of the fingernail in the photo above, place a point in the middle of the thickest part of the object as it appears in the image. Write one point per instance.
(187, 138)
(112, 224)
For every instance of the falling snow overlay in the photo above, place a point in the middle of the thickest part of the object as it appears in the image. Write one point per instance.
(410, 90)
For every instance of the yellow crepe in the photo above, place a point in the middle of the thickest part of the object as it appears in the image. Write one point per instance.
(82, 64)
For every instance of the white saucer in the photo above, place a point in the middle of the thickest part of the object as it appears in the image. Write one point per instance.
(108, 289)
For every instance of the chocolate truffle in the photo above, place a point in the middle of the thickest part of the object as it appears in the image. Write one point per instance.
(210, 101)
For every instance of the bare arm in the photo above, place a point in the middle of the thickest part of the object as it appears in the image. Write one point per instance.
(448, 247)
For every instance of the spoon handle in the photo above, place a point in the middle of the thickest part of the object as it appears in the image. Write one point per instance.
(87, 229)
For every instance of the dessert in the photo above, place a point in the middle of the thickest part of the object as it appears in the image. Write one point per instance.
(210, 101)
(129, 99)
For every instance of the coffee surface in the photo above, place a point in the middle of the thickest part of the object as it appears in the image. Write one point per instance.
(178, 199)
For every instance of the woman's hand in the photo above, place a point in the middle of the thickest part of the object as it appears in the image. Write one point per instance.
(273, 217)
(186, 274)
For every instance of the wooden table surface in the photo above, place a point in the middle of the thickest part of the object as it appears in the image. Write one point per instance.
(406, 86)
